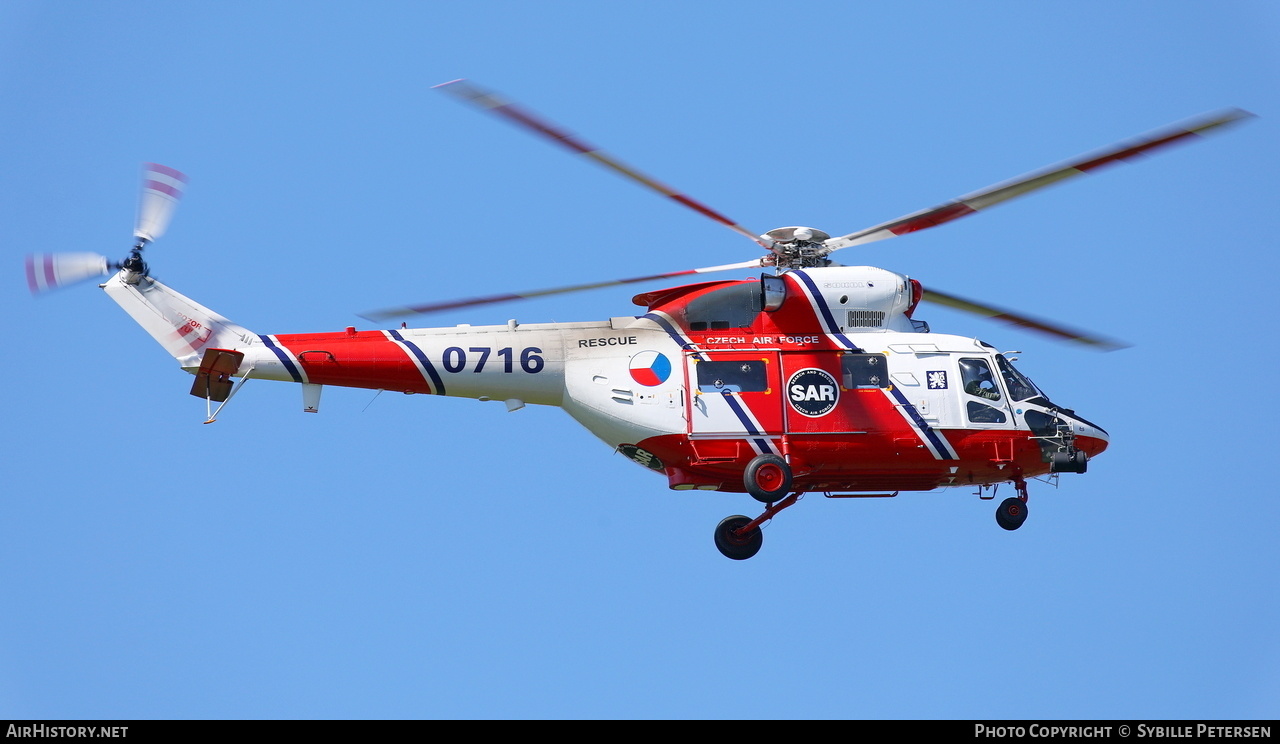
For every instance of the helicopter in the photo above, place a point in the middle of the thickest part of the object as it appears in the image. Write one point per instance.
(814, 378)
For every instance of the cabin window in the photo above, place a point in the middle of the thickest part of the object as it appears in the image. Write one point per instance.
(735, 306)
(981, 413)
(739, 376)
(976, 379)
(864, 371)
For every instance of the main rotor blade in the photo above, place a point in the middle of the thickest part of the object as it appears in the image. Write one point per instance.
(978, 200)
(162, 187)
(1059, 332)
(395, 312)
(465, 91)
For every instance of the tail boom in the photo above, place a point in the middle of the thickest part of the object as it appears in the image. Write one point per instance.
(184, 327)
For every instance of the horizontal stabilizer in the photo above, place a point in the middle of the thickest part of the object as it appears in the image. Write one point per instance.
(213, 379)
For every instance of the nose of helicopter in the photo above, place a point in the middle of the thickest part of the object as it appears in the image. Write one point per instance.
(1090, 437)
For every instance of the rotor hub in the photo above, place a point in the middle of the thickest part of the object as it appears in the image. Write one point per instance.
(799, 247)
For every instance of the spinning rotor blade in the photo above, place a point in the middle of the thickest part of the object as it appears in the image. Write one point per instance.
(465, 91)
(978, 200)
(162, 187)
(1059, 332)
(48, 271)
(395, 312)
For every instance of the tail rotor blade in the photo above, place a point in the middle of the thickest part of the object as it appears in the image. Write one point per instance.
(162, 187)
(48, 271)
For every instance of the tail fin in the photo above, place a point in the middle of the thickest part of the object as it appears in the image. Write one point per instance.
(184, 327)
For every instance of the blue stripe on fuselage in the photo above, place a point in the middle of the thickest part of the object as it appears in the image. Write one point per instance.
(940, 446)
(734, 405)
(824, 311)
(684, 343)
(436, 384)
(284, 358)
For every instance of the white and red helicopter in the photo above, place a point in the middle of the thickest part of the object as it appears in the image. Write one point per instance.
(813, 378)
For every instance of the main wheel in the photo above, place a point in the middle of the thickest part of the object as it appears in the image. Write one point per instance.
(767, 478)
(738, 547)
(1011, 513)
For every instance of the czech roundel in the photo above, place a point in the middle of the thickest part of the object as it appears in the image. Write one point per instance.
(650, 368)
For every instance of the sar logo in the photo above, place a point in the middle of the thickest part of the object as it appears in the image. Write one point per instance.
(813, 392)
(650, 368)
(642, 456)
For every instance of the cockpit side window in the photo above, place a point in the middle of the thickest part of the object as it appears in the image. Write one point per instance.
(731, 307)
(1020, 387)
(976, 379)
(864, 371)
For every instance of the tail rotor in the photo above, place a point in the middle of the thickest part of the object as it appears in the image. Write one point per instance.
(162, 188)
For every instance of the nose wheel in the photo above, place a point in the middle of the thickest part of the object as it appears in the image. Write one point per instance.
(1012, 512)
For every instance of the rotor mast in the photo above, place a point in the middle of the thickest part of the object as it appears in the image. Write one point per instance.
(797, 248)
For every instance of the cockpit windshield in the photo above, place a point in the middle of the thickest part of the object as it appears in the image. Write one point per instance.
(1020, 386)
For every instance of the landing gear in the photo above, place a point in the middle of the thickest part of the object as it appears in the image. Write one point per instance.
(767, 478)
(737, 546)
(1011, 513)
(739, 537)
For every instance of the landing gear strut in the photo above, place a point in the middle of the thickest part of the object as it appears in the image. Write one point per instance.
(739, 537)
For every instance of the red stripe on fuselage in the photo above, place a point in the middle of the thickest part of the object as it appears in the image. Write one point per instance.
(365, 359)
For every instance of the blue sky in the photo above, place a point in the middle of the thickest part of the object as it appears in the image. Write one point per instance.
(409, 557)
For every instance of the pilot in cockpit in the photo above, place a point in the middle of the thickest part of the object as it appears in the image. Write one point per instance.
(978, 380)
